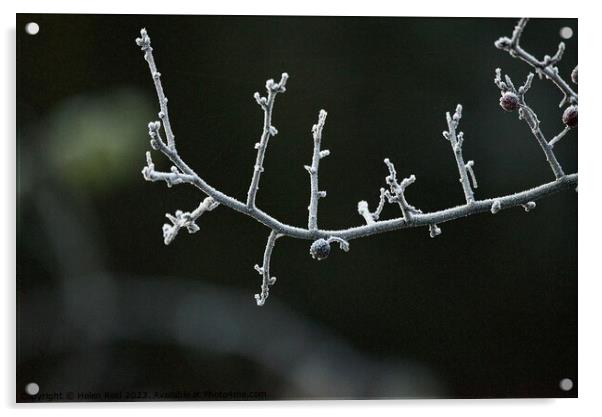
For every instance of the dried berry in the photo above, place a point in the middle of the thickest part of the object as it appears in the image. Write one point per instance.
(569, 117)
(509, 101)
(320, 249)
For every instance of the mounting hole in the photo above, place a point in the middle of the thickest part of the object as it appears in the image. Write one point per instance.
(32, 28)
(32, 388)
(566, 384)
(566, 32)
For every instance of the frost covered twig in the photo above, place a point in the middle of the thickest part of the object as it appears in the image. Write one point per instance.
(171, 178)
(396, 192)
(264, 269)
(559, 136)
(513, 99)
(145, 44)
(546, 67)
(316, 194)
(456, 140)
(362, 208)
(322, 239)
(187, 220)
(267, 105)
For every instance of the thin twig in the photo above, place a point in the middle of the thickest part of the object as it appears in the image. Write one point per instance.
(456, 140)
(316, 194)
(186, 220)
(396, 193)
(545, 67)
(559, 136)
(267, 105)
(470, 168)
(145, 45)
(363, 210)
(264, 270)
(527, 114)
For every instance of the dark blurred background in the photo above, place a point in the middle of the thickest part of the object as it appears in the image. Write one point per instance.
(107, 312)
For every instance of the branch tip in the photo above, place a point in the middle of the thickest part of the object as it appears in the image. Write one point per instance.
(264, 270)
(434, 230)
(530, 205)
(496, 206)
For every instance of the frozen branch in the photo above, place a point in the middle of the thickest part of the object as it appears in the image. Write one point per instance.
(316, 194)
(171, 178)
(396, 193)
(456, 140)
(144, 43)
(267, 105)
(371, 217)
(470, 168)
(546, 67)
(187, 220)
(512, 99)
(264, 269)
(559, 136)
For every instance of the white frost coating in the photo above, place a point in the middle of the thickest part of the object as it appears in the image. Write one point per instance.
(456, 139)
(187, 220)
(527, 114)
(530, 205)
(559, 136)
(371, 217)
(267, 105)
(544, 68)
(434, 230)
(496, 206)
(181, 173)
(316, 194)
(470, 168)
(264, 269)
(396, 192)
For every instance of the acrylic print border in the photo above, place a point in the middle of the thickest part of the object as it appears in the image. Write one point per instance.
(588, 309)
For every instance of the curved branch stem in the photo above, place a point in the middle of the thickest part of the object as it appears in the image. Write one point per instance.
(418, 219)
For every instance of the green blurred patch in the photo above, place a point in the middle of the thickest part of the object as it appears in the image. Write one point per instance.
(94, 141)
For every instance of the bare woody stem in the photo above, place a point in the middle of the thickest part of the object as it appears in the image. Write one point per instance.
(545, 67)
(186, 220)
(264, 269)
(267, 105)
(531, 118)
(528, 115)
(316, 194)
(456, 140)
(363, 210)
(145, 45)
(418, 220)
(558, 137)
(396, 193)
